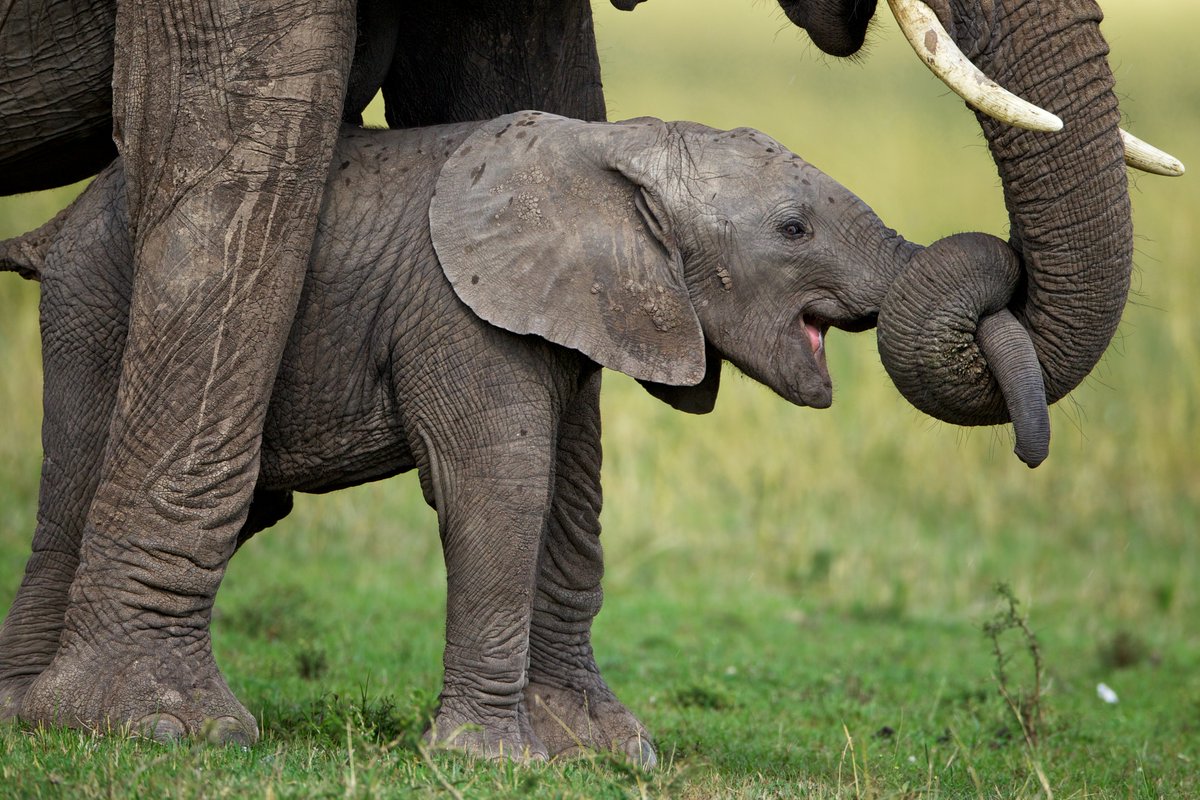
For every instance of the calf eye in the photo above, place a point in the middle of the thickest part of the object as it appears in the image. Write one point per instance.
(794, 229)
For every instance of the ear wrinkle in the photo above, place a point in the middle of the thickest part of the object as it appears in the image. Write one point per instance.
(664, 240)
(647, 212)
(658, 231)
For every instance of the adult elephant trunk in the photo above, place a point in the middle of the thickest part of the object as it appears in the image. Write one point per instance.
(1068, 203)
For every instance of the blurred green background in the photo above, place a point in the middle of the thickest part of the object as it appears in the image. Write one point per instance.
(898, 497)
(762, 517)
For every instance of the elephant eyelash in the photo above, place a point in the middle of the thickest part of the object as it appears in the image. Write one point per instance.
(792, 220)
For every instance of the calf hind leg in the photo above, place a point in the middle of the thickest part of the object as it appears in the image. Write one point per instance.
(81, 352)
(571, 707)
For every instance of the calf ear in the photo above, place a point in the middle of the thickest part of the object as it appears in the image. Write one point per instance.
(538, 228)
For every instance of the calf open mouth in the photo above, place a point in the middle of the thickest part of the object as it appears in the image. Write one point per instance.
(816, 328)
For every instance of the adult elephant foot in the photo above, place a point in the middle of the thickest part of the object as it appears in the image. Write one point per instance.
(576, 721)
(164, 690)
(486, 733)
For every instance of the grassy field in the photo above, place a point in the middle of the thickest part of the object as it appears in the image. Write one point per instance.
(795, 598)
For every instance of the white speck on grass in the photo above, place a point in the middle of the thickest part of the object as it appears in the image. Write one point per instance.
(1105, 693)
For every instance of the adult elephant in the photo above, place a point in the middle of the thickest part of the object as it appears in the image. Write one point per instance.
(226, 117)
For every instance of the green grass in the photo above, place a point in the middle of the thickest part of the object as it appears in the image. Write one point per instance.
(795, 598)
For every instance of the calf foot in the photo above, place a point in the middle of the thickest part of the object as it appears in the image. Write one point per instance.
(24, 655)
(587, 716)
(12, 693)
(167, 693)
(19, 668)
(487, 735)
(32, 630)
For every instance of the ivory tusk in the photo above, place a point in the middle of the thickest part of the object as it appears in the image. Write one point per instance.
(1149, 158)
(939, 52)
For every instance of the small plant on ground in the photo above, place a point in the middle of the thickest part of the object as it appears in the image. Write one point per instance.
(1025, 702)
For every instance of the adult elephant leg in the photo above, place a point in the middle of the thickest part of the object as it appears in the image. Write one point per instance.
(457, 62)
(226, 116)
(571, 707)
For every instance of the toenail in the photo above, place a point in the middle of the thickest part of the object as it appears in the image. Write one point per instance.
(164, 728)
(641, 753)
(227, 731)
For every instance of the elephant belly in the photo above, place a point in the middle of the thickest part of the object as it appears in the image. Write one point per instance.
(56, 59)
(316, 451)
(325, 469)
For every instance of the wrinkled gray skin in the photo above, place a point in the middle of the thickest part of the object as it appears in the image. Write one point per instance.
(431, 60)
(666, 248)
(225, 172)
(227, 142)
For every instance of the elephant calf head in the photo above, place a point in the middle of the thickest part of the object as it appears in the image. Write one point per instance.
(657, 249)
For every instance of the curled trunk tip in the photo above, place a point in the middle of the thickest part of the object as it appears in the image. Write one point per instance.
(954, 350)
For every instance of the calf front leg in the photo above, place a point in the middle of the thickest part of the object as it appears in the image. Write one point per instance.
(492, 494)
(571, 707)
(84, 316)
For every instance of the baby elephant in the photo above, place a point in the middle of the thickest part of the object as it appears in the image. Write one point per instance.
(467, 284)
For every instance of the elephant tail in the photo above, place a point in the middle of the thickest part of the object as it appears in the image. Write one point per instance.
(26, 254)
